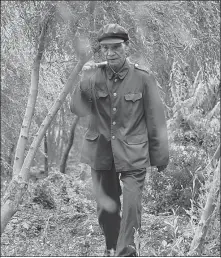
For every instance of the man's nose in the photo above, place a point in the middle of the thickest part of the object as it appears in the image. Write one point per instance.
(110, 52)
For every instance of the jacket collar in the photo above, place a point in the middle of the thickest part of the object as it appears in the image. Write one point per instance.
(121, 74)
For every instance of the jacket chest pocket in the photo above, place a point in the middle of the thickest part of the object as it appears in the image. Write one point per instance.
(101, 95)
(132, 103)
(91, 136)
(133, 96)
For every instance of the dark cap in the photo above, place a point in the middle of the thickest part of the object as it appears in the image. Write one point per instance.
(112, 33)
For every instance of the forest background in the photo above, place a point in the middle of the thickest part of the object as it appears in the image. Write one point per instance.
(179, 42)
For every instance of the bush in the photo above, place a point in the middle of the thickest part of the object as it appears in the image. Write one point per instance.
(173, 189)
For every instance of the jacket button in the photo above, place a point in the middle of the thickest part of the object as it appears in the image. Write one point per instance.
(114, 123)
(115, 80)
(115, 94)
(113, 137)
(114, 109)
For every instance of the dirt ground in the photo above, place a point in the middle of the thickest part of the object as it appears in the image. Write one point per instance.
(66, 225)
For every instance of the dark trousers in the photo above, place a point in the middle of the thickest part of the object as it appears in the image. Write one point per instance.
(119, 232)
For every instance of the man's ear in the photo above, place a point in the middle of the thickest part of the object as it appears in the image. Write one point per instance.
(127, 47)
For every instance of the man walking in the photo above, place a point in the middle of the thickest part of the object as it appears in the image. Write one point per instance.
(127, 133)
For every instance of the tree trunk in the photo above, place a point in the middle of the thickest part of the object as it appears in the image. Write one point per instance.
(11, 200)
(53, 142)
(19, 183)
(49, 144)
(23, 137)
(12, 148)
(68, 147)
(61, 144)
(59, 139)
(197, 244)
(46, 153)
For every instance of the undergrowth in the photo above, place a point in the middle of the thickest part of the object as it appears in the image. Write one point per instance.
(58, 218)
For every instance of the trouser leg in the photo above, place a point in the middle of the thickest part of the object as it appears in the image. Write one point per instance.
(133, 182)
(107, 190)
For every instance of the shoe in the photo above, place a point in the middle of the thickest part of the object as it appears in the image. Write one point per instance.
(128, 251)
(109, 252)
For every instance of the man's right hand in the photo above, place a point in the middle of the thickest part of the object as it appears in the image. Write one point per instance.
(88, 70)
(91, 65)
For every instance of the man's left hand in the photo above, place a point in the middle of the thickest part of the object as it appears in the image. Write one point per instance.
(161, 168)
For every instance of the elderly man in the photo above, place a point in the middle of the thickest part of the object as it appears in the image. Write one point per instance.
(127, 133)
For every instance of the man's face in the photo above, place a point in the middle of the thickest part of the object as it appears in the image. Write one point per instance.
(115, 54)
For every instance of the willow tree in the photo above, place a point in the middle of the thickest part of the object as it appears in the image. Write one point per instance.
(21, 169)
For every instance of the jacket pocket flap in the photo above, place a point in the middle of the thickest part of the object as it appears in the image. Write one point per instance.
(101, 94)
(133, 96)
(137, 139)
(90, 135)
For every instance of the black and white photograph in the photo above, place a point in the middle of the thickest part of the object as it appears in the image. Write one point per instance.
(110, 128)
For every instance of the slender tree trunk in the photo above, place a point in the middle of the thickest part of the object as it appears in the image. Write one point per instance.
(197, 244)
(19, 183)
(58, 137)
(49, 144)
(23, 137)
(62, 125)
(46, 153)
(12, 148)
(59, 134)
(68, 147)
(53, 142)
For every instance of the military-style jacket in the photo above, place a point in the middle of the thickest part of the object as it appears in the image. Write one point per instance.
(127, 122)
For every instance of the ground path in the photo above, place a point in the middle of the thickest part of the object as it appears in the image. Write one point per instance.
(71, 228)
